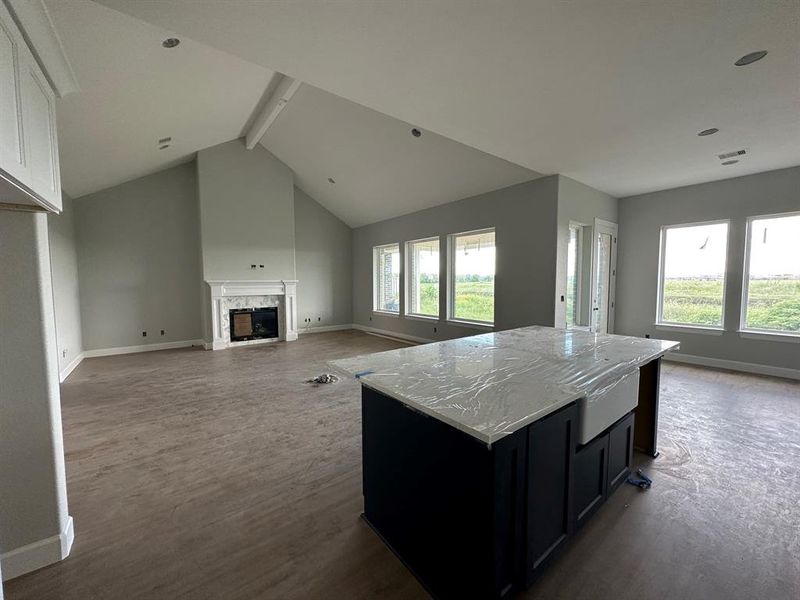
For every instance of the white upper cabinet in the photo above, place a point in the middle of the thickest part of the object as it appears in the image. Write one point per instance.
(29, 171)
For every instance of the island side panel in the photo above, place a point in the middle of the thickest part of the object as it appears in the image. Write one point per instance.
(645, 437)
(439, 500)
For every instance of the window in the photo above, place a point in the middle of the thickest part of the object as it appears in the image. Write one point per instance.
(386, 278)
(574, 275)
(472, 264)
(422, 266)
(692, 275)
(771, 295)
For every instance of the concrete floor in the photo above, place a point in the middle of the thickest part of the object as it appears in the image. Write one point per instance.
(223, 475)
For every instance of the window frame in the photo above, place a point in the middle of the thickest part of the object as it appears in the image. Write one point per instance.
(375, 281)
(407, 312)
(660, 322)
(451, 279)
(579, 227)
(750, 332)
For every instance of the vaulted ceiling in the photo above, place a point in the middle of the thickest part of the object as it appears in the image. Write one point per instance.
(379, 168)
(134, 92)
(608, 92)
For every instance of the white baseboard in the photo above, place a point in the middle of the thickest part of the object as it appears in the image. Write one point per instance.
(324, 328)
(38, 554)
(733, 365)
(392, 335)
(142, 348)
(70, 367)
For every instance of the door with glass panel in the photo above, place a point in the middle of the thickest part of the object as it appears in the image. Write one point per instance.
(604, 275)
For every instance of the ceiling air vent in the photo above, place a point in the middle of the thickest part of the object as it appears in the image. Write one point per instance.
(734, 154)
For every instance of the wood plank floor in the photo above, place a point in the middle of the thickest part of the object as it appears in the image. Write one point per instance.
(223, 475)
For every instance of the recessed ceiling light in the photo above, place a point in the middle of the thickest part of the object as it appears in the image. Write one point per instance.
(730, 162)
(164, 147)
(170, 42)
(330, 180)
(416, 132)
(749, 59)
(709, 131)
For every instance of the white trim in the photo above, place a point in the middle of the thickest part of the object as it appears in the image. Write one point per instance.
(450, 315)
(601, 226)
(733, 365)
(143, 348)
(771, 336)
(386, 313)
(221, 289)
(474, 324)
(376, 280)
(38, 554)
(690, 328)
(392, 335)
(423, 318)
(662, 257)
(324, 328)
(65, 372)
(408, 268)
(746, 267)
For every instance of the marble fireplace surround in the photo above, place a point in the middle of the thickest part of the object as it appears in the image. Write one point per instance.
(227, 295)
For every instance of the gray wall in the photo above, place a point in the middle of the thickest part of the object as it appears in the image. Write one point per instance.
(581, 203)
(33, 493)
(139, 261)
(640, 220)
(524, 216)
(324, 265)
(64, 264)
(246, 212)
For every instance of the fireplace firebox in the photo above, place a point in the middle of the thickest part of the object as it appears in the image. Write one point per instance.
(254, 323)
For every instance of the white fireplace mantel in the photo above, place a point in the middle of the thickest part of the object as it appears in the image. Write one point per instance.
(221, 291)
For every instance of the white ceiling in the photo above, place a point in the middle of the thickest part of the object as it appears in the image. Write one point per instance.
(380, 169)
(133, 92)
(608, 92)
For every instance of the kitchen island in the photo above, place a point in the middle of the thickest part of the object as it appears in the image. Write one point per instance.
(483, 455)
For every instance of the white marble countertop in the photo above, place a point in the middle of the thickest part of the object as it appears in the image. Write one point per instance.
(493, 384)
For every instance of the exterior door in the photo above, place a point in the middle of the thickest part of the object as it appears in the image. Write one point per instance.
(604, 276)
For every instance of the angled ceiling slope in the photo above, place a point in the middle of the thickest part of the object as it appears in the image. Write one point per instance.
(379, 168)
(610, 93)
(134, 92)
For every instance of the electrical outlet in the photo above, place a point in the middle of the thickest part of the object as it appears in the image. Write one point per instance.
(319, 319)
(64, 353)
(162, 332)
(434, 330)
(144, 334)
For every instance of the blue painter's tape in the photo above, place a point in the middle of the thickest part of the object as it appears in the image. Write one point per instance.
(360, 374)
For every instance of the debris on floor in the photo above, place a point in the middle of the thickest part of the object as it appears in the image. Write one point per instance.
(642, 481)
(324, 378)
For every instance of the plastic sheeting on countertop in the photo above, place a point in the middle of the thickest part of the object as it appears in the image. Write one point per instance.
(492, 384)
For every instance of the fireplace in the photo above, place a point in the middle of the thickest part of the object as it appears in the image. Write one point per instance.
(253, 323)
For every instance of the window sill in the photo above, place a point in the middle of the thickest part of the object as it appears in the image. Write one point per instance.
(426, 318)
(690, 328)
(772, 336)
(475, 324)
(385, 313)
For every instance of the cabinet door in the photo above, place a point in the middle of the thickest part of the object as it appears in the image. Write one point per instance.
(620, 452)
(591, 479)
(551, 446)
(38, 102)
(12, 149)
